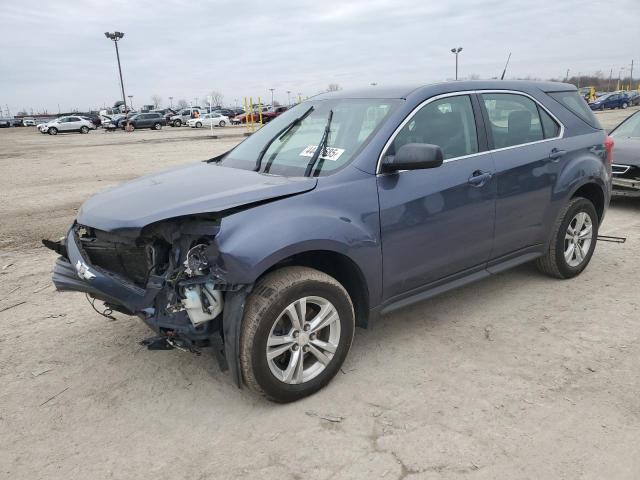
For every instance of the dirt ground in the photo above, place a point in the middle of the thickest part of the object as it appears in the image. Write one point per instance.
(515, 377)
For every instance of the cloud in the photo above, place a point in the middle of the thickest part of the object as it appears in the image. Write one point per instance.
(56, 53)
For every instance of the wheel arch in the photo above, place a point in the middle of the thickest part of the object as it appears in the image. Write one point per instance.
(339, 266)
(593, 192)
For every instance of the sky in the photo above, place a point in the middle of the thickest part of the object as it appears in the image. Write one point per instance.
(54, 55)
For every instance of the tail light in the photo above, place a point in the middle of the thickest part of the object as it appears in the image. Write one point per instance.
(608, 145)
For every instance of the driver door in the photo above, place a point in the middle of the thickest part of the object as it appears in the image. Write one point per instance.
(436, 223)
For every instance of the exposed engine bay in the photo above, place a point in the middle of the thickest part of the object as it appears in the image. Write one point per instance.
(170, 268)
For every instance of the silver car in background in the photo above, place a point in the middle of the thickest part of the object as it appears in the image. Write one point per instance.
(69, 123)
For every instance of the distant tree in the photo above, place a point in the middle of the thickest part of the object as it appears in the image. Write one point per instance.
(182, 103)
(333, 87)
(216, 98)
(156, 100)
(22, 113)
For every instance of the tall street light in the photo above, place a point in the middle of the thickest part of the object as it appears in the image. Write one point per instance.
(271, 90)
(116, 37)
(288, 98)
(456, 51)
(171, 103)
(130, 101)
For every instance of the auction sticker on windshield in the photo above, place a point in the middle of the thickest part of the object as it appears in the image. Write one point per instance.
(331, 153)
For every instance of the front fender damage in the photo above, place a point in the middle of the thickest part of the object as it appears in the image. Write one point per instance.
(171, 276)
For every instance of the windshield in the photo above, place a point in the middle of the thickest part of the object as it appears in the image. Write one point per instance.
(630, 128)
(353, 123)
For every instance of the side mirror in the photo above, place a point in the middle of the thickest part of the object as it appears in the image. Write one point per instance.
(413, 156)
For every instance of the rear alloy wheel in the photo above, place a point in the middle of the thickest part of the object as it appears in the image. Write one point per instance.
(296, 332)
(53, 131)
(177, 123)
(84, 129)
(222, 123)
(574, 240)
(157, 126)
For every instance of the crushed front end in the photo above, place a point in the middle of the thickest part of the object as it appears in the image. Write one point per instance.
(169, 274)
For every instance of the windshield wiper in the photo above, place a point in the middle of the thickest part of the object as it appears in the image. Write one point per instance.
(280, 134)
(322, 146)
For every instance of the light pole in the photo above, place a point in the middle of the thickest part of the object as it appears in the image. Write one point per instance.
(288, 98)
(171, 103)
(271, 90)
(130, 101)
(116, 37)
(456, 51)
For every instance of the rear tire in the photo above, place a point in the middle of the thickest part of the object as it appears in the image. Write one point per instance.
(574, 239)
(198, 124)
(624, 105)
(157, 126)
(84, 129)
(222, 123)
(318, 332)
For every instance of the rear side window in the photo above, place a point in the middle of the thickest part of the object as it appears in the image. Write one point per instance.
(448, 123)
(550, 128)
(576, 104)
(514, 119)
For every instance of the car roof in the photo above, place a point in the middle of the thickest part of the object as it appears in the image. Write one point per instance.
(446, 87)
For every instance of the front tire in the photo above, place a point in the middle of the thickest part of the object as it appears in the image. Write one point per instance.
(177, 123)
(53, 131)
(296, 332)
(222, 123)
(84, 129)
(574, 240)
(198, 124)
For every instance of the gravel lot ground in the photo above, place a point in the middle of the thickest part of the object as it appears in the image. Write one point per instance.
(518, 376)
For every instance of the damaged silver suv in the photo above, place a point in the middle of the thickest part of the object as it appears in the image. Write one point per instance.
(346, 207)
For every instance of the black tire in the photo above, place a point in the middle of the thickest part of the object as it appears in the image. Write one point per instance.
(624, 105)
(198, 124)
(553, 263)
(222, 123)
(53, 131)
(177, 123)
(157, 126)
(84, 129)
(271, 295)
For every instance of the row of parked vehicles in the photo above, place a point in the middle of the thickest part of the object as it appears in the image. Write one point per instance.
(611, 100)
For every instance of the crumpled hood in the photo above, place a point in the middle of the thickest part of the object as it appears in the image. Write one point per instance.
(626, 151)
(198, 188)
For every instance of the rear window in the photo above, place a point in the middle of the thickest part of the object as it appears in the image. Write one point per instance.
(576, 104)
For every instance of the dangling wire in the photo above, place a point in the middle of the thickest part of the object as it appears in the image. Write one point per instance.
(107, 312)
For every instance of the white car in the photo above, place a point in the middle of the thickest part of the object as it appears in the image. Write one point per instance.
(29, 122)
(71, 123)
(207, 120)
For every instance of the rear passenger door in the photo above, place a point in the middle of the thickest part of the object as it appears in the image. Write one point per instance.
(438, 222)
(525, 139)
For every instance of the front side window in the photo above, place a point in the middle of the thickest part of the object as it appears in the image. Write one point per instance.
(513, 119)
(353, 123)
(448, 123)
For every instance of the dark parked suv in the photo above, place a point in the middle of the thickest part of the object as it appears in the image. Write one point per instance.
(153, 120)
(344, 208)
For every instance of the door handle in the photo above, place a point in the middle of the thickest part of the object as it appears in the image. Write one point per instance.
(479, 178)
(556, 154)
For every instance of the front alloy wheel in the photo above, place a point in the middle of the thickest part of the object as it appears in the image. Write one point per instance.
(577, 239)
(296, 332)
(303, 340)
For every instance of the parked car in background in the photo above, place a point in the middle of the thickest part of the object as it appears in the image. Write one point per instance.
(610, 100)
(273, 113)
(626, 157)
(344, 208)
(184, 115)
(634, 97)
(5, 123)
(17, 122)
(70, 123)
(29, 122)
(208, 119)
(151, 120)
(227, 112)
